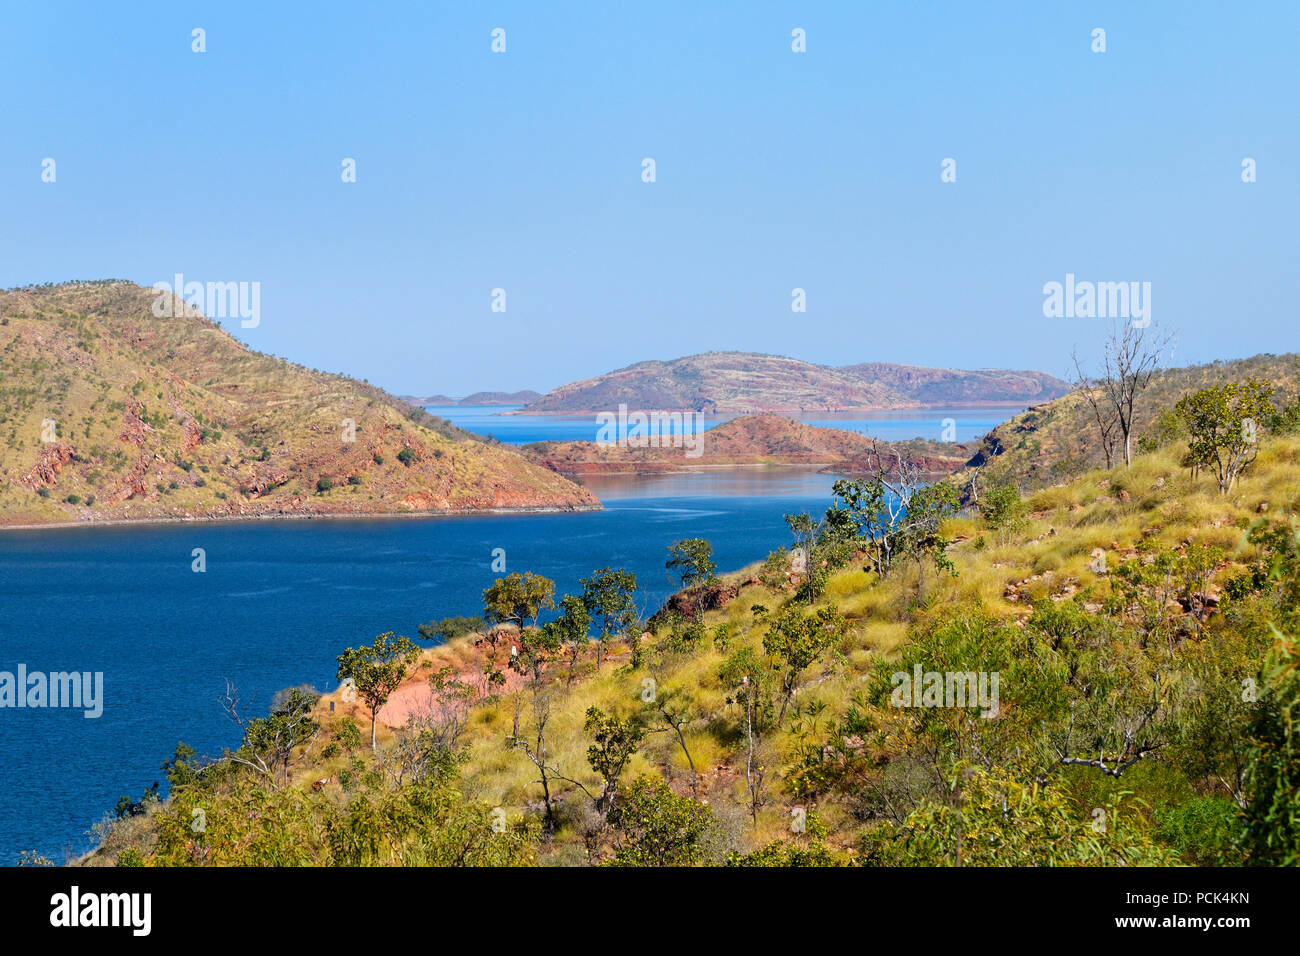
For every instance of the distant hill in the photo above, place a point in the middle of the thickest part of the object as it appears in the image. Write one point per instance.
(108, 413)
(419, 401)
(746, 382)
(751, 440)
(501, 398)
(945, 386)
(522, 397)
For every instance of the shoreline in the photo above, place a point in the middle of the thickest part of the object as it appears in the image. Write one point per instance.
(815, 467)
(728, 413)
(367, 516)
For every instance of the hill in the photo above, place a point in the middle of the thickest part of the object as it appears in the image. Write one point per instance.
(109, 413)
(478, 398)
(757, 723)
(751, 440)
(744, 382)
(948, 387)
(1051, 442)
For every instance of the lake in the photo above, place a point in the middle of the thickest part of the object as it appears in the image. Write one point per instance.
(280, 599)
(968, 423)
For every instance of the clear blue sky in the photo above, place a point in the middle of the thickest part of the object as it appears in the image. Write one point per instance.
(522, 170)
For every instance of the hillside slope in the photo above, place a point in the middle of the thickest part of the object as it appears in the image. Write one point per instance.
(1056, 440)
(741, 382)
(108, 413)
(1120, 692)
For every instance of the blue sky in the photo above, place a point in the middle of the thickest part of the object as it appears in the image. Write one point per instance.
(775, 170)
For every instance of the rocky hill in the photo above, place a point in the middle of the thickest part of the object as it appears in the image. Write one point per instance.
(751, 440)
(745, 382)
(109, 413)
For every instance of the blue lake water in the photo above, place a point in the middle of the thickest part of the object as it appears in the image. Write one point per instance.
(968, 423)
(281, 598)
(278, 602)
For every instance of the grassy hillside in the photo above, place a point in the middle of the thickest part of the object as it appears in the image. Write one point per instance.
(1137, 620)
(107, 412)
(738, 382)
(1050, 442)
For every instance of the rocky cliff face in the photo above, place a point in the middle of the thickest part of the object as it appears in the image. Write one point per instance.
(109, 413)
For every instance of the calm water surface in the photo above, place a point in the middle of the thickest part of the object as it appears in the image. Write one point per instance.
(491, 420)
(278, 602)
(281, 598)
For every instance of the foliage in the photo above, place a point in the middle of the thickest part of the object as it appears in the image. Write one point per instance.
(693, 558)
(1003, 511)
(377, 670)
(1225, 422)
(656, 827)
(616, 739)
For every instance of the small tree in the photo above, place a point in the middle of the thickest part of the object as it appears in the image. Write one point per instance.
(515, 599)
(919, 536)
(616, 740)
(658, 828)
(571, 628)
(378, 670)
(537, 647)
(1224, 422)
(798, 641)
(824, 546)
(609, 596)
(270, 742)
(693, 557)
(675, 710)
(748, 680)
(1003, 511)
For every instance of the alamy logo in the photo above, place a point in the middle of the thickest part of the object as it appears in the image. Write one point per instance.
(73, 909)
(61, 689)
(216, 300)
(946, 689)
(653, 430)
(1093, 300)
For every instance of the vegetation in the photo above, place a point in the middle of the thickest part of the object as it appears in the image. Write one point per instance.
(1110, 678)
(174, 418)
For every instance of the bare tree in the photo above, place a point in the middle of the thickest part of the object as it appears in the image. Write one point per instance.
(1132, 358)
(1102, 412)
(272, 745)
(537, 754)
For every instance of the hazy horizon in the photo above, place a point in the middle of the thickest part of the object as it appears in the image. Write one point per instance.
(775, 170)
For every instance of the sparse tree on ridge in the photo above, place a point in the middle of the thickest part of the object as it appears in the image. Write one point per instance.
(1131, 358)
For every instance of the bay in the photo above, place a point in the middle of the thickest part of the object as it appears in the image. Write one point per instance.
(494, 420)
(280, 599)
